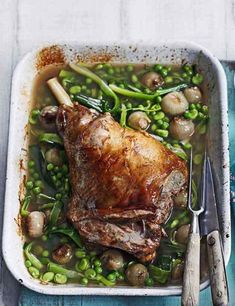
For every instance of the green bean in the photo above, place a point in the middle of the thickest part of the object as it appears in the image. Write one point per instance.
(90, 273)
(162, 133)
(70, 232)
(52, 267)
(75, 90)
(140, 95)
(34, 272)
(33, 118)
(60, 278)
(82, 265)
(80, 253)
(123, 116)
(37, 250)
(24, 208)
(31, 257)
(104, 280)
(50, 138)
(159, 115)
(106, 89)
(47, 277)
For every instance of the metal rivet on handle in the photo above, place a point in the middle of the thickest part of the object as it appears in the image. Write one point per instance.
(211, 241)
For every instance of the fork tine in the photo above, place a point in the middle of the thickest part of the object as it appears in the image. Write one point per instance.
(203, 182)
(190, 180)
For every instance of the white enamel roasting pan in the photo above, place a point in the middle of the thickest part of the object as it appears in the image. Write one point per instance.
(167, 53)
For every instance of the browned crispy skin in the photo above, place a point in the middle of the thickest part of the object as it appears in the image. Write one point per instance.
(119, 177)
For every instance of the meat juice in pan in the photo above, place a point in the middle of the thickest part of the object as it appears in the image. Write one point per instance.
(113, 196)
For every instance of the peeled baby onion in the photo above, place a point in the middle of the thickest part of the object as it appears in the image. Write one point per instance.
(174, 103)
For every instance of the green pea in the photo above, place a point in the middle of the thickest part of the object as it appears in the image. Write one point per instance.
(84, 281)
(44, 238)
(36, 176)
(31, 164)
(107, 65)
(158, 116)
(36, 190)
(74, 90)
(60, 278)
(187, 114)
(98, 270)
(168, 146)
(158, 99)
(158, 67)
(88, 92)
(187, 68)
(165, 125)
(45, 253)
(149, 282)
(159, 122)
(153, 127)
(141, 106)
(58, 196)
(169, 68)
(197, 159)
(202, 129)
(166, 119)
(112, 277)
(88, 81)
(129, 68)
(48, 276)
(90, 273)
(111, 71)
(197, 79)
(50, 167)
(176, 145)
(82, 265)
(198, 106)
(162, 133)
(168, 79)
(201, 116)
(54, 178)
(97, 263)
(39, 183)
(28, 264)
(31, 170)
(164, 72)
(29, 185)
(59, 175)
(84, 88)
(57, 169)
(134, 78)
(174, 223)
(205, 109)
(184, 75)
(121, 85)
(80, 253)
(34, 272)
(147, 91)
(121, 277)
(192, 106)
(99, 66)
(129, 105)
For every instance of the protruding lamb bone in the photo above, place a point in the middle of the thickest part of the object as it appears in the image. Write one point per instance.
(59, 92)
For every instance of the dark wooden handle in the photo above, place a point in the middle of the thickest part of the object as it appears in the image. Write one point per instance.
(191, 280)
(219, 289)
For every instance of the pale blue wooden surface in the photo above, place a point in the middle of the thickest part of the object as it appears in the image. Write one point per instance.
(30, 298)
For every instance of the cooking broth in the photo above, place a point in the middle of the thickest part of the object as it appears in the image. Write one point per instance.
(48, 186)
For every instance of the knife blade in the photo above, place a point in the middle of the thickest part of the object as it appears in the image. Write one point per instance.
(209, 226)
(209, 218)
